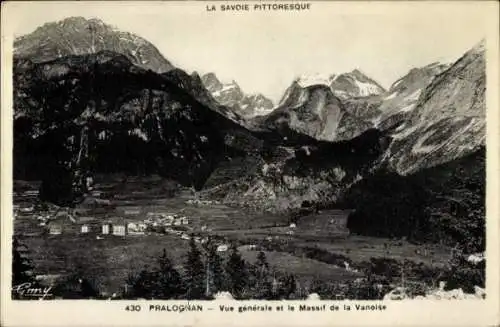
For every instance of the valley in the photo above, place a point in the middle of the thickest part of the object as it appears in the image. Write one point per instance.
(111, 258)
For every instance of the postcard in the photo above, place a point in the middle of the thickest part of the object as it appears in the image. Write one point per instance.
(291, 163)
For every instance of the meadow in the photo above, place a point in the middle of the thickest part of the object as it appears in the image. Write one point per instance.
(110, 259)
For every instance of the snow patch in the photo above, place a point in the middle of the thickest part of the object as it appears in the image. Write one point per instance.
(407, 108)
(340, 93)
(366, 89)
(376, 121)
(225, 88)
(405, 132)
(314, 79)
(420, 148)
(396, 83)
(261, 111)
(414, 96)
(391, 96)
(400, 127)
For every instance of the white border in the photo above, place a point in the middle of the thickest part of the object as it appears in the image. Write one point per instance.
(411, 313)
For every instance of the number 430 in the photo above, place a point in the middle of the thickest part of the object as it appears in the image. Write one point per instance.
(133, 308)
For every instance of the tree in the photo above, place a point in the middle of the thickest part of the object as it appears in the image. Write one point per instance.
(263, 278)
(262, 262)
(457, 205)
(22, 268)
(140, 285)
(286, 286)
(236, 271)
(159, 282)
(76, 286)
(168, 280)
(84, 279)
(194, 272)
(290, 286)
(216, 276)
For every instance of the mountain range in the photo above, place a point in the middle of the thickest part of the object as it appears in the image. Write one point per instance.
(86, 103)
(231, 95)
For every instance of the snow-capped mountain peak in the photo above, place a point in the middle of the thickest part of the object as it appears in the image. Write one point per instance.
(346, 85)
(230, 94)
(355, 84)
(307, 80)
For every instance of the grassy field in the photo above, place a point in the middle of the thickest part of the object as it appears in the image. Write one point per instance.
(302, 268)
(362, 248)
(111, 259)
(108, 260)
(356, 248)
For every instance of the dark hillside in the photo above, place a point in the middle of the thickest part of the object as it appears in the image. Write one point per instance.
(444, 204)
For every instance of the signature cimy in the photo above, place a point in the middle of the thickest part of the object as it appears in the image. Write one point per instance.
(30, 290)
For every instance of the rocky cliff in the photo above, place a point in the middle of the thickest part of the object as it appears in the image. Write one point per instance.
(449, 120)
(315, 112)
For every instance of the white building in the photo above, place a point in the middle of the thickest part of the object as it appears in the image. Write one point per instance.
(105, 229)
(222, 248)
(119, 230)
(27, 209)
(85, 229)
(475, 258)
(55, 229)
(133, 228)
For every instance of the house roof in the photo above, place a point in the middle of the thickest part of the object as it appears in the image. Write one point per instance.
(60, 220)
(115, 220)
(161, 212)
(51, 224)
(129, 209)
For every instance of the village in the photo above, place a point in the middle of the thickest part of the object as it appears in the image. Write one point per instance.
(58, 221)
(96, 218)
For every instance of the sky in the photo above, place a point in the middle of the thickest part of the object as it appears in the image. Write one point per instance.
(265, 51)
